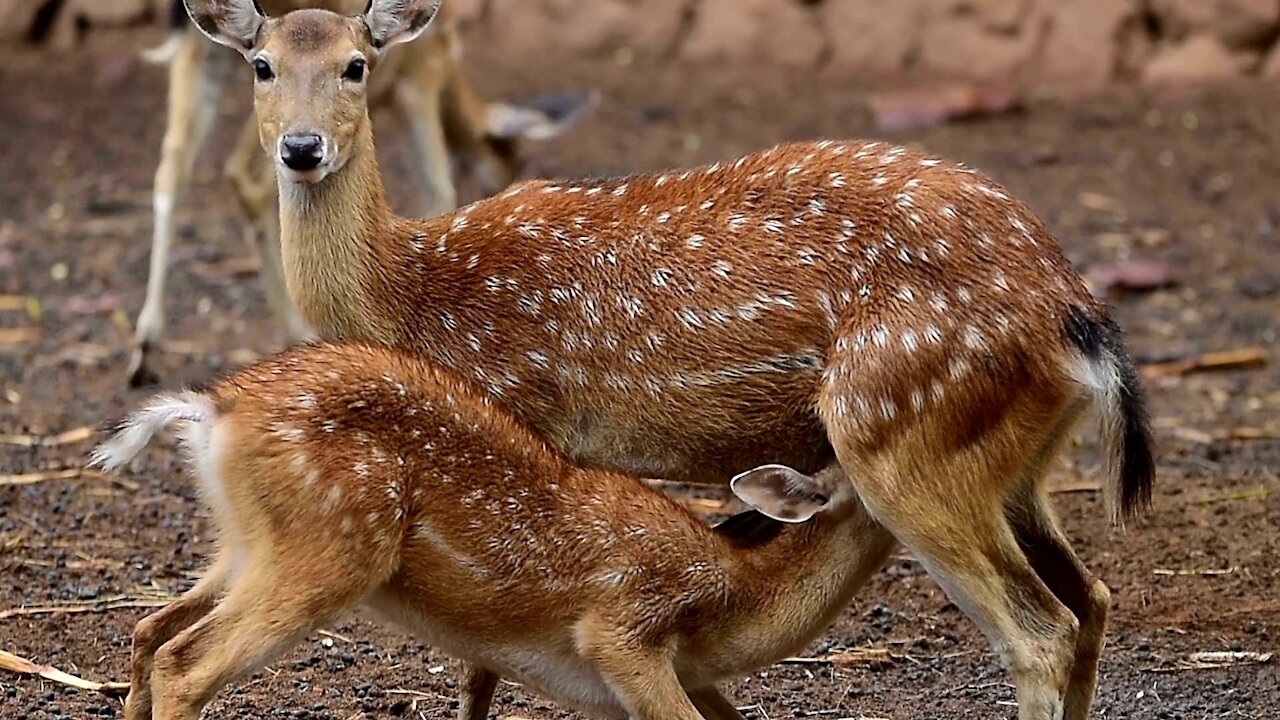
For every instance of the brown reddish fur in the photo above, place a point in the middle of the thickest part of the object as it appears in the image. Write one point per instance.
(346, 474)
(852, 301)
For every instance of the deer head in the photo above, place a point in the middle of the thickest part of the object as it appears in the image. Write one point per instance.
(311, 69)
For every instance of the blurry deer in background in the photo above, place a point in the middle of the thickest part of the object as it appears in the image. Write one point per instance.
(849, 301)
(342, 475)
(448, 121)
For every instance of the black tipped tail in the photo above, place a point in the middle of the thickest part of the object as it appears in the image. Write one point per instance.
(1109, 373)
(1137, 447)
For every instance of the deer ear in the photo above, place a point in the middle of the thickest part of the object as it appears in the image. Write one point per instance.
(392, 22)
(234, 23)
(781, 493)
(542, 118)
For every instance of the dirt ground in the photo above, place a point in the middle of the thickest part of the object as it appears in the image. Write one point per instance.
(1186, 180)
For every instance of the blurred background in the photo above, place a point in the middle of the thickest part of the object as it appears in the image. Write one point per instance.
(1145, 132)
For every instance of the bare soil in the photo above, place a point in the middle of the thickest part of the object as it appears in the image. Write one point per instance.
(1187, 180)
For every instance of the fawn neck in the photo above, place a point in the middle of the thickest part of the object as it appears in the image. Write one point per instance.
(796, 583)
(332, 234)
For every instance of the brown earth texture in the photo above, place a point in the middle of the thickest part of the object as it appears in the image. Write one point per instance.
(1188, 181)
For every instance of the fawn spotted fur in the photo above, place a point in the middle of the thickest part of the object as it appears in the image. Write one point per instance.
(341, 475)
(850, 304)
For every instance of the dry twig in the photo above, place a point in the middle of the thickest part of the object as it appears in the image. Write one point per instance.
(1222, 360)
(69, 437)
(114, 602)
(14, 663)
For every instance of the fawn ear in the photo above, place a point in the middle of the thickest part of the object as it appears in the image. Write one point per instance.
(781, 493)
(234, 23)
(392, 22)
(542, 118)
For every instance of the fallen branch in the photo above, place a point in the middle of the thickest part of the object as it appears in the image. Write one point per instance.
(1214, 660)
(1258, 493)
(845, 658)
(1222, 360)
(115, 602)
(65, 474)
(14, 663)
(69, 437)
(1207, 572)
(14, 336)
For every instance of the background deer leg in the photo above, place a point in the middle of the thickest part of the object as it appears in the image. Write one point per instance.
(193, 101)
(419, 95)
(253, 179)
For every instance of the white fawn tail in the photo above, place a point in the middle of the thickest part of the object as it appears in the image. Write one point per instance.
(348, 475)
(851, 302)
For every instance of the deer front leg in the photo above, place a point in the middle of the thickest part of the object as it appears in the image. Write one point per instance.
(642, 676)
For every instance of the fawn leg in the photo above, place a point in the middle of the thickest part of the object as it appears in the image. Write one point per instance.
(266, 611)
(160, 627)
(713, 704)
(642, 676)
(475, 695)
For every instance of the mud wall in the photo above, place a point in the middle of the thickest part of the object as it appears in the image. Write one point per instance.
(1082, 44)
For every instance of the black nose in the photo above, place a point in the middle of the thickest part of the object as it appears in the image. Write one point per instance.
(302, 152)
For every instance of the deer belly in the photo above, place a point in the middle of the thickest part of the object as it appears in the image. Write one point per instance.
(542, 659)
(692, 434)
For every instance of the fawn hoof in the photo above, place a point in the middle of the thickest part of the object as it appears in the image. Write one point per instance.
(140, 373)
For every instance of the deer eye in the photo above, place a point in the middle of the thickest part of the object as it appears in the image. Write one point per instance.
(263, 70)
(355, 70)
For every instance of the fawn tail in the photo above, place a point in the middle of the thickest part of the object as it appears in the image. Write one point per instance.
(137, 429)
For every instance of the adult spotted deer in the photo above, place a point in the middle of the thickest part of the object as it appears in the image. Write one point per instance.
(341, 475)
(850, 301)
(447, 118)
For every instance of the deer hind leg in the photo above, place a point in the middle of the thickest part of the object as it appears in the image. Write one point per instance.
(945, 502)
(160, 627)
(1088, 598)
(475, 694)
(272, 604)
(193, 100)
(253, 182)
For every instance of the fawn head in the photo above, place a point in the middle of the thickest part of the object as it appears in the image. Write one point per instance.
(790, 496)
(311, 69)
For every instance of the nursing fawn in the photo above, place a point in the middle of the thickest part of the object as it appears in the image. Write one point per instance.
(347, 475)
(448, 121)
(851, 301)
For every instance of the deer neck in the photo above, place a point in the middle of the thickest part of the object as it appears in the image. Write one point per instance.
(331, 236)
